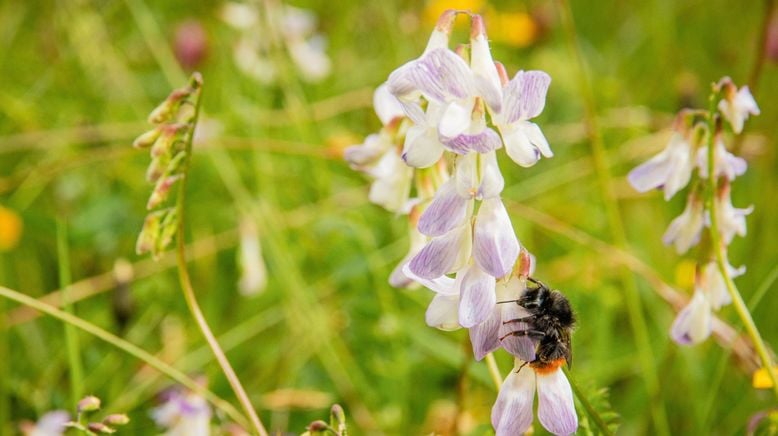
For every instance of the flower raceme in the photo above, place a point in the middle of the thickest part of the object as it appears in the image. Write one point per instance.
(673, 169)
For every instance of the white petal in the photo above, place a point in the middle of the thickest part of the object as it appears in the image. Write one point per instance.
(492, 182)
(556, 410)
(442, 312)
(486, 78)
(684, 231)
(495, 246)
(693, 323)
(422, 148)
(477, 297)
(512, 412)
(386, 105)
(455, 119)
(360, 156)
(525, 96)
(444, 254)
(441, 285)
(518, 144)
(466, 175)
(447, 211)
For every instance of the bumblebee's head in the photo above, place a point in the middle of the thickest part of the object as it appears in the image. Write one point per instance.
(533, 297)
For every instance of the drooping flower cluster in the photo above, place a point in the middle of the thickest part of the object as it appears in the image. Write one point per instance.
(175, 121)
(253, 278)
(297, 27)
(685, 159)
(445, 115)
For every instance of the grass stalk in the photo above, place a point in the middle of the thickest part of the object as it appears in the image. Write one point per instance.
(616, 225)
(186, 282)
(590, 410)
(718, 249)
(71, 337)
(494, 370)
(128, 348)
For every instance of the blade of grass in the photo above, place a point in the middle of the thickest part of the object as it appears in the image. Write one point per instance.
(128, 348)
(75, 369)
(615, 225)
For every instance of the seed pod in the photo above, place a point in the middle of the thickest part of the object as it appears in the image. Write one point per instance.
(116, 419)
(145, 140)
(147, 240)
(88, 404)
(166, 110)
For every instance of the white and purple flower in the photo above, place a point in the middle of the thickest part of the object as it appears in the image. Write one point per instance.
(183, 413)
(671, 169)
(49, 424)
(737, 104)
(512, 414)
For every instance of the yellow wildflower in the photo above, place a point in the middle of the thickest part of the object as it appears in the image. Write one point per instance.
(10, 229)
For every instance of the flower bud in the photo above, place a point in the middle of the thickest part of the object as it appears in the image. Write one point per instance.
(167, 231)
(337, 417)
(99, 427)
(149, 233)
(116, 419)
(162, 190)
(168, 136)
(88, 404)
(145, 140)
(157, 168)
(167, 109)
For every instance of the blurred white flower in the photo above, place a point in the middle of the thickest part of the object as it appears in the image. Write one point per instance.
(669, 170)
(50, 424)
(725, 163)
(684, 231)
(183, 413)
(253, 279)
(737, 105)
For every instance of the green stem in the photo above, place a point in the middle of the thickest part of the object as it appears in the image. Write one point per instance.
(590, 410)
(186, 282)
(494, 370)
(718, 249)
(616, 227)
(127, 347)
(71, 338)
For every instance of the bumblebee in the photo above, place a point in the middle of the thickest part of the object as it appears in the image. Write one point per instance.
(550, 323)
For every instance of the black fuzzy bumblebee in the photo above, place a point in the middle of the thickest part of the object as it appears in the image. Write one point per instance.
(550, 322)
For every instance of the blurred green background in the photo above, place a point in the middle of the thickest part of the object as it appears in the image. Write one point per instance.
(77, 79)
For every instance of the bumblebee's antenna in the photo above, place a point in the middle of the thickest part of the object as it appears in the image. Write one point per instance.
(507, 301)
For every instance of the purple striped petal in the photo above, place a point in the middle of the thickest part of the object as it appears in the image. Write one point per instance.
(482, 142)
(443, 254)
(485, 336)
(525, 96)
(439, 74)
(512, 412)
(442, 312)
(495, 247)
(556, 410)
(447, 211)
(477, 299)
(441, 285)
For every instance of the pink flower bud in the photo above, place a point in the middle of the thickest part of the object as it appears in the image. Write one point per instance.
(191, 44)
(88, 404)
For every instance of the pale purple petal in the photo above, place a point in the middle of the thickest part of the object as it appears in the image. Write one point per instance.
(443, 254)
(447, 211)
(724, 164)
(422, 148)
(684, 231)
(556, 410)
(439, 74)
(522, 347)
(359, 156)
(477, 297)
(386, 105)
(442, 312)
(651, 174)
(398, 278)
(693, 323)
(495, 246)
(485, 336)
(492, 182)
(525, 96)
(512, 412)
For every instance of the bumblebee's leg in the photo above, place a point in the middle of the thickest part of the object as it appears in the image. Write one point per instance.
(522, 366)
(519, 319)
(531, 333)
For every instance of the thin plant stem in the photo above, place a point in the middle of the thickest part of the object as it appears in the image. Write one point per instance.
(128, 348)
(71, 338)
(718, 249)
(616, 227)
(5, 364)
(494, 370)
(590, 410)
(186, 282)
